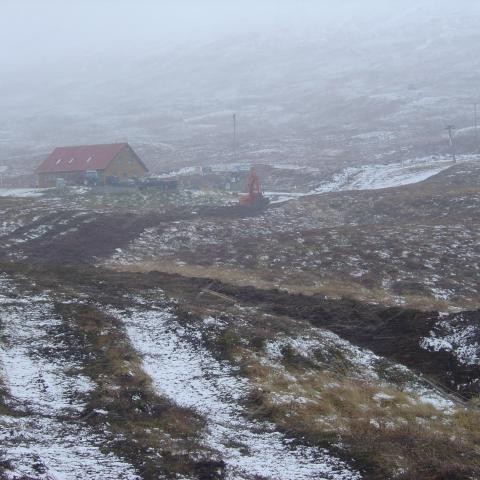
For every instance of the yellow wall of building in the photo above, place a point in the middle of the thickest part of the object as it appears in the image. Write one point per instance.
(125, 165)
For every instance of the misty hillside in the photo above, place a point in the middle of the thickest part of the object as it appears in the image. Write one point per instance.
(353, 87)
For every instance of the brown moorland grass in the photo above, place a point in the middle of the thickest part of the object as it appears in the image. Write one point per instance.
(306, 283)
(389, 433)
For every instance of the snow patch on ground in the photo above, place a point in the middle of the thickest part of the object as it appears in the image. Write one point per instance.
(187, 373)
(8, 226)
(22, 192)
(455, 336)
(373, 177)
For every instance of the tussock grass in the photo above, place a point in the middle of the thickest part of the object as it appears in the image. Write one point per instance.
(389, 433)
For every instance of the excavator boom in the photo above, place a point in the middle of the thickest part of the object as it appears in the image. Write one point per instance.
(254, 198)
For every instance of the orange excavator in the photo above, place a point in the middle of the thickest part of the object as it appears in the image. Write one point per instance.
(254, 198)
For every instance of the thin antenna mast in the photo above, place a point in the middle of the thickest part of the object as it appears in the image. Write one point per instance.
(234, 137)
(475, 120)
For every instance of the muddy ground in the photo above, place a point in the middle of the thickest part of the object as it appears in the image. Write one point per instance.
(76, 253)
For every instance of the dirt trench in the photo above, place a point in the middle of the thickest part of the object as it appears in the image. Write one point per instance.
(392, 332)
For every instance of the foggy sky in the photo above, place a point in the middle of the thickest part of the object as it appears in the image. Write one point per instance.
(38, 31)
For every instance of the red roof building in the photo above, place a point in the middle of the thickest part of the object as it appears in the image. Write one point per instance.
(72, 164)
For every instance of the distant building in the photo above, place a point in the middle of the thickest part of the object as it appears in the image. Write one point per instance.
(76, 165)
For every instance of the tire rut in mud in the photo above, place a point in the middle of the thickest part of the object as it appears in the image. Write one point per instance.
(84, 240)
(74, 238)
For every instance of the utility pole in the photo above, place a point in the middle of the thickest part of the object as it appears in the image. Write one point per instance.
(475, 120)
(450, 129)
(234, 137)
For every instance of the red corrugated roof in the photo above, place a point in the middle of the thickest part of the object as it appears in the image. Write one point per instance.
(81, 158)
